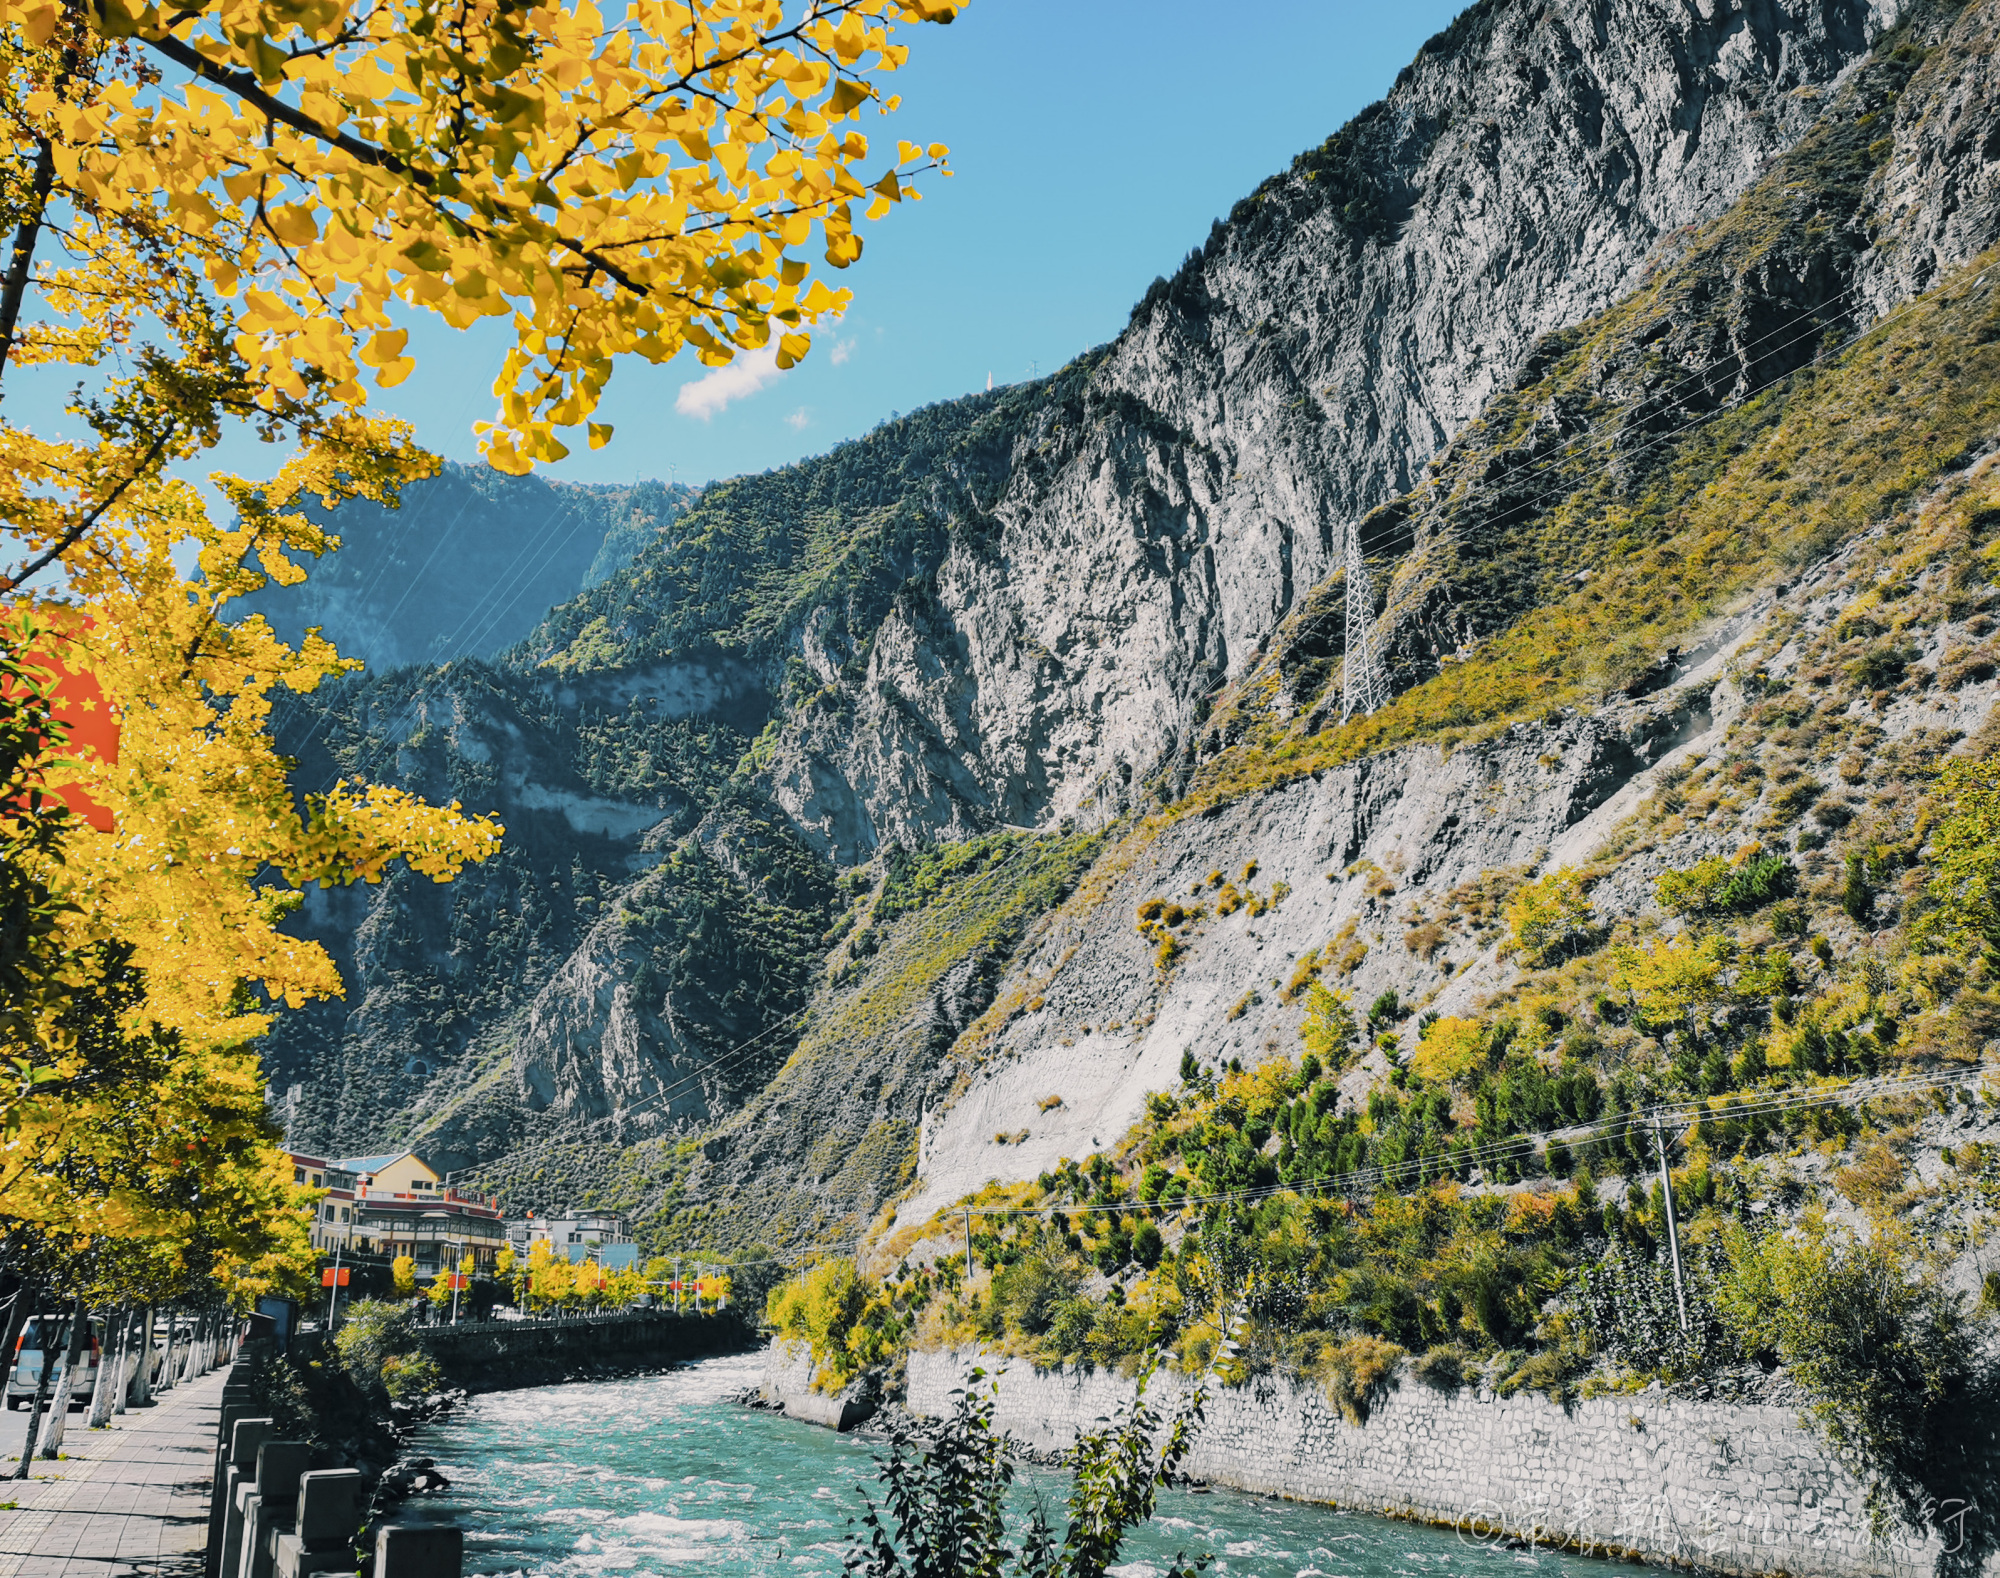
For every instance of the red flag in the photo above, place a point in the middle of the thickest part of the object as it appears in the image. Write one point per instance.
(330, 1278)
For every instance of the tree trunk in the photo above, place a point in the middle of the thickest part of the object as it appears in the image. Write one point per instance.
(142, 1377)
(35, 1414)
(123, 1396)
(25, 1296)
(79, 1337)
(166, 1351)
(116, 1326)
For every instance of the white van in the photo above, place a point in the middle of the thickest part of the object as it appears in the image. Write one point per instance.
(49, 1334)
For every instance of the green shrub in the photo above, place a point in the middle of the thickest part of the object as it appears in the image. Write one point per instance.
(1148, 1245)
(408, 1376)
(1880, 667)
(1627, 1306)
(944, 1505)
(1857, 895)
(1028, 1293)
(1965, 853)
(1884, 1352)
(1444, 1368)
(1357, 1374)
(1069, 1332)
(1716, 887)
(374, 1338)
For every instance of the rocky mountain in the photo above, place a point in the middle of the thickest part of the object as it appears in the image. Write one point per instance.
(1628, 336)
(1027, 596)
(468, 565)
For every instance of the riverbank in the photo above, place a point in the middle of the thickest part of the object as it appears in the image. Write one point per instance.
(503, 1355)
(1727, 1487)
(666, 1473)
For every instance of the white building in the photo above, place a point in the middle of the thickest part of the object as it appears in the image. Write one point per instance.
(566, 1230)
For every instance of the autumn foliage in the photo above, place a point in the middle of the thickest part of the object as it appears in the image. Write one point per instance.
(225, 214)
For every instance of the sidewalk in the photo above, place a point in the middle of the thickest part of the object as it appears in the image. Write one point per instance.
(132, 1499)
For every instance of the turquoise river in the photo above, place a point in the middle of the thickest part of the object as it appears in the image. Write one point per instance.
(665, 1474)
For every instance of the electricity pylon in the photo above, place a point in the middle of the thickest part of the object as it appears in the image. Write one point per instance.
(1363, 688)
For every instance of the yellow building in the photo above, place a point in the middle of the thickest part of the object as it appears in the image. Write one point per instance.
(402, 1207)
(396, 1172)
(334, 1218)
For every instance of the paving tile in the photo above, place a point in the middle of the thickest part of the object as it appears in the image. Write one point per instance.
(130, 1501)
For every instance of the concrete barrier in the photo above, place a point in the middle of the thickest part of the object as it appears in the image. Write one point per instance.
(789, 1374)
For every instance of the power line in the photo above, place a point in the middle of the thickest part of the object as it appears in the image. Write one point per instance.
(1519, 1146)
(1611, 426)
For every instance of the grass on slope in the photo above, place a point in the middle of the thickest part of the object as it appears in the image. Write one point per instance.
(1755, 493)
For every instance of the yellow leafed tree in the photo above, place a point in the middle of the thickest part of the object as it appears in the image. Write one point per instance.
(608, 188)
(227, 213)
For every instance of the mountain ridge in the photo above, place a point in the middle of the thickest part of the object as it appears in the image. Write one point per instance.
(1010, 611)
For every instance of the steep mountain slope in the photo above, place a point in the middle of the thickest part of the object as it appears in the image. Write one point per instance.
(1018, 608)
(468, 564)
(1670, 555)
(1012, 608)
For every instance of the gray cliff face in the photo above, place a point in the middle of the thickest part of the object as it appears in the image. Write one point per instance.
(592, 1046)
(1354, 314)
(1938, 197)
(667, 910)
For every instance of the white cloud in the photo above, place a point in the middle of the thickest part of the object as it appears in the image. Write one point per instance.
(798, 420)
(724, 386)
(842, 349)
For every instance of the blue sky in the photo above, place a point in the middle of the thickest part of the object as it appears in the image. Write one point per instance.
(1093, 141)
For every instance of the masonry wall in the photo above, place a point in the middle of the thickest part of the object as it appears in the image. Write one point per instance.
(1734, 1489)
(494, 1356)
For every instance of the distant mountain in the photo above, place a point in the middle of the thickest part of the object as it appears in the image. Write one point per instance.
(469, 564)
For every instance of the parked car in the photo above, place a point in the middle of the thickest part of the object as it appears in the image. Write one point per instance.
(49, 1335)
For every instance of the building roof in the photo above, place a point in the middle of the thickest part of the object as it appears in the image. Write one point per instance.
(372, 1164)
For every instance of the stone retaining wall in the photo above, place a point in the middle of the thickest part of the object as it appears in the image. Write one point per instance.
(1729, 1488)
(500, 1355)
(788, 1385)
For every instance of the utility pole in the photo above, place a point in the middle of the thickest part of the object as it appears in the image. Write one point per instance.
(1673, 1231)
(1362, 689)
(968, 1252)
(677, 1284)
(333, 1288)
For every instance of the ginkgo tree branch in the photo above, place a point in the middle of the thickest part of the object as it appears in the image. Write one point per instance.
(252, 92)
(21, 261)
(80, 528)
